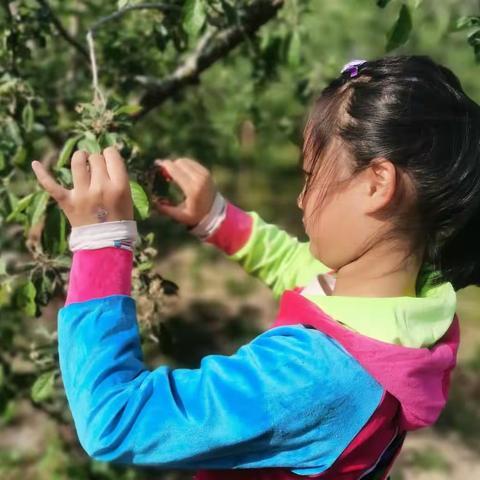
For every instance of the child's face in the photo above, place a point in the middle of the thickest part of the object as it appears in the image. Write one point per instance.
(338, 229)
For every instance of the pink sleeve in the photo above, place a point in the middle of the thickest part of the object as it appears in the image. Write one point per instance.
(99, 273)
(233, 232)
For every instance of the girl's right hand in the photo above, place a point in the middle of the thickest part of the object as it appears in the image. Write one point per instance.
(197, 184)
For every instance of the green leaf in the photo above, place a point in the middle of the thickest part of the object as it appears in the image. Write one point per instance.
(3, 266)
(13, 199)
(14, 131)
(2, 376)
(38, 207)
(44, 387)
(474, 38)
(464, 23)
(5, 292)
(28, 117)
(65, 175)
(19, 157)
(54, 232)
(294, 49)
(25, 298)
(122, 4)
(9, 412)
(89, 134)
(89, 144)
(193, 16)
(140, 200)
(109, 139)
(474, 41)
(400, 32)
(62, 261)
(131, 109)
(229, 11)
(67, 151)
(3, 163)
(20, 206)
(144, 266)
(383, 3)
(44, 286)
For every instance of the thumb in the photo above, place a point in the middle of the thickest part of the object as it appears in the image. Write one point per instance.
(48, 183)
(173, 211)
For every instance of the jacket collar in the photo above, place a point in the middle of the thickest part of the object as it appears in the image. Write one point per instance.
(409, 321)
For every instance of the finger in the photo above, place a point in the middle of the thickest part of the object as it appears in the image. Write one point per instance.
(185, 167)
(177, 212)
(117, 171)
(179, 176)
(194, 166)
(48, 183)
(80, 171)
(192, 173)
(98, 170)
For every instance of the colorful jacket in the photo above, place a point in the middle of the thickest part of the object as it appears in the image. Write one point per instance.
(320, 394)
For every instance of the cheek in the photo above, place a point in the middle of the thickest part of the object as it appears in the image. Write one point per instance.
(333, 231)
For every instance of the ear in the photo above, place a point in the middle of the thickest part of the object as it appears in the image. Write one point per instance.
(380, 184)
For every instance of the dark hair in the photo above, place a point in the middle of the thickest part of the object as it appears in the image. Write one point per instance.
(415, 113)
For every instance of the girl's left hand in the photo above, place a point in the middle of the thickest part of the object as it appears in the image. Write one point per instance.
(101, 190)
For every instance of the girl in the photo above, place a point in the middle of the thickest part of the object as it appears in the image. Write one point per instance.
(366, 336)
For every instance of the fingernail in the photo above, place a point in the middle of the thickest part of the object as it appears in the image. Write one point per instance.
(165, 174)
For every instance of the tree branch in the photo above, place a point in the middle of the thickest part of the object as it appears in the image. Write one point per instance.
(63, 32)
(141, 6)
(211, 48)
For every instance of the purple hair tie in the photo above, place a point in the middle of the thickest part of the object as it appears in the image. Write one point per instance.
(352, 67)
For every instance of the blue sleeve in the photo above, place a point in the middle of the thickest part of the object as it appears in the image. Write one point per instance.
(291, 397)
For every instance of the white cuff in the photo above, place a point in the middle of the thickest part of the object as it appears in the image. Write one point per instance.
(212, 220)
(120, 234)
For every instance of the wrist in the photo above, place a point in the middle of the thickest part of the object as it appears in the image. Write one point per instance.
(212, 220)
(102, 260)
(120, 234)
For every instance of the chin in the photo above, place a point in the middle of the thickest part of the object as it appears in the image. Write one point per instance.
(321, 258)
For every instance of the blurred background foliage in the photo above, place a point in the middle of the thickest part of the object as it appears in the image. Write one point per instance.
(228, 82)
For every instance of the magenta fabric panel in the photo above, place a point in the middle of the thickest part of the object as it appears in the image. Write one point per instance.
(233, 232)
(418, 377)
(367, 447)
(100, 273)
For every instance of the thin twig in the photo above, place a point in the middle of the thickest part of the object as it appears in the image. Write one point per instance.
(141, 6)
(62, 31)
(98, 96)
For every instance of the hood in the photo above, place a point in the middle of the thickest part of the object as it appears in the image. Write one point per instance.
(418, 321)
(418, 377)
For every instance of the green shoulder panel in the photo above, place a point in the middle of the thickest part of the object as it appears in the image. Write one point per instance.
(277, 258)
